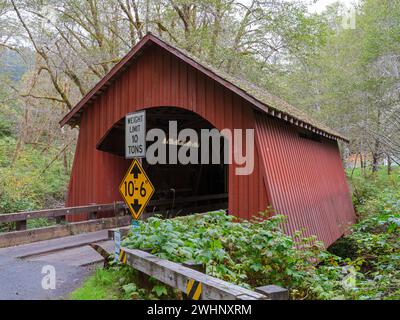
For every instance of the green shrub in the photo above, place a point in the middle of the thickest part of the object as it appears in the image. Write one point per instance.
(8, 117)
(369, 187)
(26, 184)
(247, 253)
(362, 265)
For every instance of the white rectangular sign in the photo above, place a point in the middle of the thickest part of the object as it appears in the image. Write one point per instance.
(135, 135)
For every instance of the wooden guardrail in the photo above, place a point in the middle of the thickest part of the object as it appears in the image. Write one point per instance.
(22, 235)
(178, 276)
(60, 214)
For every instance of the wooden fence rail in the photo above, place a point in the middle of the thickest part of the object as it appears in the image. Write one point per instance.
(178, 276)
(60, 213)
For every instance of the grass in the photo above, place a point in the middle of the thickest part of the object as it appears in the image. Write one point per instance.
(119, 283)
(381, 176)
(105, 284)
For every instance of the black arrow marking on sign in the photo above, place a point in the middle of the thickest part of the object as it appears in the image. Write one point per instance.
(136, 205)
(135, 171)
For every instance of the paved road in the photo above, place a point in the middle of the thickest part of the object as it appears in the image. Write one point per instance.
(72, 258)
(22, 279)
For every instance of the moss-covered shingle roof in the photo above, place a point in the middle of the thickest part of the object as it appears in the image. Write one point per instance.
(259, 97)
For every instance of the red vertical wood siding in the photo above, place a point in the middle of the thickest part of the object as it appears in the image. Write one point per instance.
(156, 79)
(306, 180)
(300, 178)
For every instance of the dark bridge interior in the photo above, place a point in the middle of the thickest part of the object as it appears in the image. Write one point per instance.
(180, 189)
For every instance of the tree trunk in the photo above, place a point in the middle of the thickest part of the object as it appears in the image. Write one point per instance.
(375, 156)
(389, 165)
(65, 162)
(355, 164)
(362, 163)
(377, 144)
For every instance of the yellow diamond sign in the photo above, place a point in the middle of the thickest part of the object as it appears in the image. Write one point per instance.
(136, 189)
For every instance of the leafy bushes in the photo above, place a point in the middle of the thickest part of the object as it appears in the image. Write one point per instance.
(7, 120)
(369, 191)
(244, 253)
(25, 184)
(374, 242)
(362, 265)
(247, 253)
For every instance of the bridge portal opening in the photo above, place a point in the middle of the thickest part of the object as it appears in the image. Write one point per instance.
(180, 189)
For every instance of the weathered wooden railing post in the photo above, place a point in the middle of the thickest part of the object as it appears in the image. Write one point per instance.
(119, 209)
(20, 225)
(195, 266)
(60, 219)
(274, 292)
(93, 214)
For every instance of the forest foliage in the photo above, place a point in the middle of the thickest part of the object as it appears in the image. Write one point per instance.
(52, 53)
(32, 172)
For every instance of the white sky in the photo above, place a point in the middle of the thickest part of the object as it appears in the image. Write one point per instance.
(320, 5)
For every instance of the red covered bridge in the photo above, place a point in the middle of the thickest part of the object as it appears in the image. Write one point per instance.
(298, 169)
